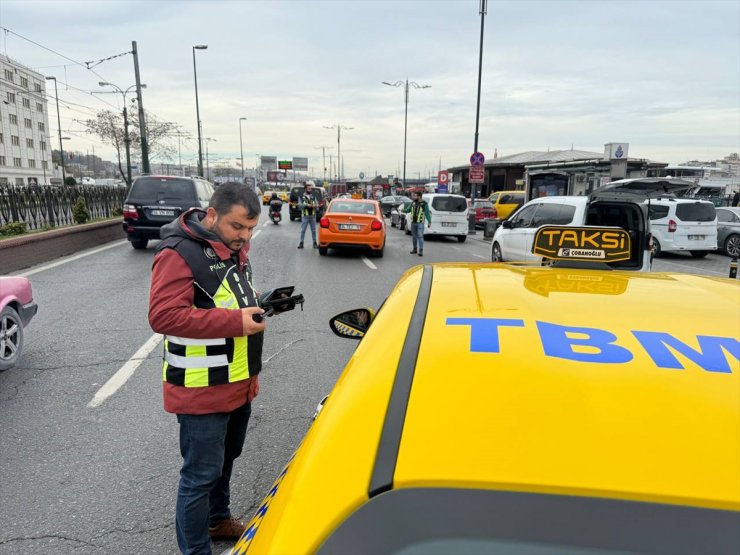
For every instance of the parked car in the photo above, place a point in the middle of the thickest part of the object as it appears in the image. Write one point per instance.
(505, 202)
(490, 408)
(618, 204)
(17, 307)
(728, 231)
(449, 216)
(389, 202)
(398, 215)
(681, 224)
(350, 223)
(483, 211)
(156, 200)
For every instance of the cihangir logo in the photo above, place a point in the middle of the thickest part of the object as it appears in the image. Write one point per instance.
(210, 253)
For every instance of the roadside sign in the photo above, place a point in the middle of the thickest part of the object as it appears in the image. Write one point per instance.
(362, 175)
(443, 178)
(477, 159)
(300, 164)
(477, 174)
(285, 164)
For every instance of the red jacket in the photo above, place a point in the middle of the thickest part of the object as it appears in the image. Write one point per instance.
(171, 312)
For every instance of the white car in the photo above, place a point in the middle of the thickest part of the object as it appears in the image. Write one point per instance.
(449, 216)
(682, 224)
(617, 204)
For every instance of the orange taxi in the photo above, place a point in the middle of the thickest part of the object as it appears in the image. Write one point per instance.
(351, 223)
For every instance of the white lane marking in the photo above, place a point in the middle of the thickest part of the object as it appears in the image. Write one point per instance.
(268, 359)
(266, 223)
(72, 258)
(125, 372)
(368, 263)
(479, 256)
(256, 233)
(456, 248)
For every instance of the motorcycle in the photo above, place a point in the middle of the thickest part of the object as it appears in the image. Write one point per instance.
(276, 213)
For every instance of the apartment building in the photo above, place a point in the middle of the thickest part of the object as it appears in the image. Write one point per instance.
(25, 142)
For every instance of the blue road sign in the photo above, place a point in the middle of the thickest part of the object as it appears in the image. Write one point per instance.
(477, 159)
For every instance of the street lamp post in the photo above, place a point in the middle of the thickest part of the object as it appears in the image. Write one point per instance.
(197, 109)
(59, 123)
(323, 153)
(339, 128)
(406, 85)
(241, 146)
(208, 168)
(126, 138)
(471, 217)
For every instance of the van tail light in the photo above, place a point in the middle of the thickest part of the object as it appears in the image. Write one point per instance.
(672, 226)
(376, 225)
(324, 222)
(130, 212)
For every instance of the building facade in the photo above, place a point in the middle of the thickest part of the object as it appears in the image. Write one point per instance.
(25, 144)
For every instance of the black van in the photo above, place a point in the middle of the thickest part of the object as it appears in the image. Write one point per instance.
(156, 200)
(294, 210)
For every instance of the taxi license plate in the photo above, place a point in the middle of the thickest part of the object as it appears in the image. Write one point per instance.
(163, 212)
(448, 224)
(349, 227)
(696, 237)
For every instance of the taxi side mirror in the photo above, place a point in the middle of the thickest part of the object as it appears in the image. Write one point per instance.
(352, 324)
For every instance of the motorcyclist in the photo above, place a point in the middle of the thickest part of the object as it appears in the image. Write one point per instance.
(276, 205)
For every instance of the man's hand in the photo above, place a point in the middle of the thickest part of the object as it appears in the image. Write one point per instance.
(253, 389)
(249, 326)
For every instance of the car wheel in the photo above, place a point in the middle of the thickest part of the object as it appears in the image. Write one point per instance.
(323, 250)
(407, 230)
(656, 248)
(699, 254)
(732, 246)
(393, 224)
(11, 338)
(379, 253)
(461, 238)
(139, 244)
(496, 253)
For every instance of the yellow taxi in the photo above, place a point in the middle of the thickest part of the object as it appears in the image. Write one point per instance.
(538, 410)
(266, 196)
(506, 202)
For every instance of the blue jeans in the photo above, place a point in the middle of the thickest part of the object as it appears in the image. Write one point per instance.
(417, 235)
(308, 221)
(209, 443)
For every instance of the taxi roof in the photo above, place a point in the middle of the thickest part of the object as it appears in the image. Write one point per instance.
(572, 381)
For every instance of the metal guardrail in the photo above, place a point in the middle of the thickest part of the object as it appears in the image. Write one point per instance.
(40, 207)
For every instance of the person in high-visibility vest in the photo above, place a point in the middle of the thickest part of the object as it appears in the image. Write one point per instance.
(419, 212)
(203, 301)
(309, 205)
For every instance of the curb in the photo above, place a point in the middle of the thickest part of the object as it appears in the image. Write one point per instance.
(29, 250)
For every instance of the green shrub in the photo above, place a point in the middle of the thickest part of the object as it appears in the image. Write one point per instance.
(13, 228)
(80, 213)
(117, 211)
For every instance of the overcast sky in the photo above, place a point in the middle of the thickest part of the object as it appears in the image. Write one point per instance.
(663, 76)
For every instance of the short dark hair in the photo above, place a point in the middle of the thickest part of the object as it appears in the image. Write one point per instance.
(231, 193)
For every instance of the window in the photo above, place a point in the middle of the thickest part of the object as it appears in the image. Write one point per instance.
(24, 82)
(15, 140)
(29, 143)
(696, 212)
(43, 145)
(512, 199)
(17, 163)
(2, 139)
(37, 87)
(31, 163)
(11, 97)
(449, 204)
(46, 165)
(28, 122)
(26, 103)
(546, 215)
(19, 182)
(42, 127)
(9, 75)
(657, 212)
(2, 160)
(722, 215)
(524, 217)
(13, 119)
(39, 107)
(565, 215)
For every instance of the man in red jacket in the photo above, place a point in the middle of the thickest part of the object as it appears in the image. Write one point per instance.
(203, 301)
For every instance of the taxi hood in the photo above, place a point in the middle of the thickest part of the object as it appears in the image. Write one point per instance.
(640, 189)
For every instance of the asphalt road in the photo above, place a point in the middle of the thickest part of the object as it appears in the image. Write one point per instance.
(99, 480)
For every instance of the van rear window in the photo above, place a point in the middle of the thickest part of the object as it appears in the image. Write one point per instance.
(696, 212)
(154, 189)
(449, 204)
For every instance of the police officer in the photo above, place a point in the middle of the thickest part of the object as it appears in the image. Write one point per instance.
(308, 205)
(419, 212)
(203, 301)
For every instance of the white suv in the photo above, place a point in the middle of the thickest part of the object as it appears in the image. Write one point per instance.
(681, 224)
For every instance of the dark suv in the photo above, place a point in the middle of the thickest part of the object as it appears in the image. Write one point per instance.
(156, 200)
(296, 193)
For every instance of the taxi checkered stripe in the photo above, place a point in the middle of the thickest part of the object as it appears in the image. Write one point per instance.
(348, 330)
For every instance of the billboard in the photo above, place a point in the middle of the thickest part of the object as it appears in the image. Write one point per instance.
(285, 165)
(268, 163)
(300, 164)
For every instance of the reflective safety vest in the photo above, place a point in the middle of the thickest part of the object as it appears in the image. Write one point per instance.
(194, 362)
(418, 212)
(309, 205)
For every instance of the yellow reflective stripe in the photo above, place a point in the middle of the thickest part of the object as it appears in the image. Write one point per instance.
(195, 351)
(196, 377)
(239, 367)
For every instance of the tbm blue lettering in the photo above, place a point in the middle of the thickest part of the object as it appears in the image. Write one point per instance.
(556, 343)
(484, 331)
(709, 356)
